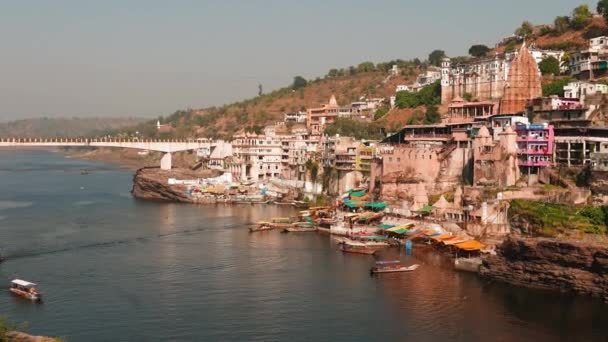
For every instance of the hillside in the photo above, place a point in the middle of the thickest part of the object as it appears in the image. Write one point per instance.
(63, 127)
(253, 114)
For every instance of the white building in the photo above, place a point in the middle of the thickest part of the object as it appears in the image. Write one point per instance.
(295, 117)
(402, 87)
(594, 60)
(598, 43)
(580, 89)
(501, 122)
(539, 55)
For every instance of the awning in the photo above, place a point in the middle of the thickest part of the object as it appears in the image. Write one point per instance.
(356, 193)
(385, 226)
(472, 245)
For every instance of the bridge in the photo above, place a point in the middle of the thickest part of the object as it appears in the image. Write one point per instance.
(167, 146)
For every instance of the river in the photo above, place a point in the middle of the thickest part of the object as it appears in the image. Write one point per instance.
(117, 269)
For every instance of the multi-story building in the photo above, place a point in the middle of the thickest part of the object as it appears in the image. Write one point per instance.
(534, 147)
(581, 89)
(592, 62)
(256, 157)
(318, 118)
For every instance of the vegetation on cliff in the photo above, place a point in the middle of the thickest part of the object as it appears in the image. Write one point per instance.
(552, 219)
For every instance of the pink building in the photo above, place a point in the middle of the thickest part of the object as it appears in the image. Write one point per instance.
(534, 147)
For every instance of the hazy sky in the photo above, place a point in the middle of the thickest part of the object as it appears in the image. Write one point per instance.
(152, 57)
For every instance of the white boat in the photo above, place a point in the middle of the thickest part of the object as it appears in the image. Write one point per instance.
(391, 267)
(25, 289)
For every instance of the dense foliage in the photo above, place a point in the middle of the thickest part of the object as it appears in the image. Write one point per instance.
(299, 82)
(549, 66)
(427, 96)
(355, 129)
(436, 56)
(556, 87)
(381, 112)
(525, 30)
(479, 50)
(580, 17)
(551, 219)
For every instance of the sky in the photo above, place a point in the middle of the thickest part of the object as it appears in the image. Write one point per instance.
(148, 58)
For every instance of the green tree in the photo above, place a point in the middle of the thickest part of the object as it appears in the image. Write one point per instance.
(511, 46)
(556, 87)
(549, 66)
(479, 50)
(432, 115)
(580, 16)
(333, 73)
(525, 30)
(602, 8)
(299, 82)
(428, 96)
(561, 24)
(436, 56)
(366, 67)
(380, 113)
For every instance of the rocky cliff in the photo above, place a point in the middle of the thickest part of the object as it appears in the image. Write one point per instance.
(152, 184)
(567, 266)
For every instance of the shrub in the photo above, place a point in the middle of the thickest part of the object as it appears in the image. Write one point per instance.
(380, 113)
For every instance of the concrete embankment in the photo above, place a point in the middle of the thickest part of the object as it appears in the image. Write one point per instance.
(152, 184)
(567, 266)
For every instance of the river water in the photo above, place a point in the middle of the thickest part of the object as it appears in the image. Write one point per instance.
(116, 269)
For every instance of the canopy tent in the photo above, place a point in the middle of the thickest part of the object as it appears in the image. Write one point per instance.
(458, 239)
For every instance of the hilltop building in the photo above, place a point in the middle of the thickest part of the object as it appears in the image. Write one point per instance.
(484, 79)
(318, 118)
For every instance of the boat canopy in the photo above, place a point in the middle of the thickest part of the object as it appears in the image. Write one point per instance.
(356, 193)
(23, 283)
(385, 226)
(375, 238)
(376, 205)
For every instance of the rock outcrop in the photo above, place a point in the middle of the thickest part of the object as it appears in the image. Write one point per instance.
(152, 184)
(567, 266)
(16, 336)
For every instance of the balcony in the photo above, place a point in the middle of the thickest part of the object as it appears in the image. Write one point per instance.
(531, 138)
(531, 151)
(534, 163)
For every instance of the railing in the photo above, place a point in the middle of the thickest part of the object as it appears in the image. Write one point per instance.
(533, 163)
(95, 140)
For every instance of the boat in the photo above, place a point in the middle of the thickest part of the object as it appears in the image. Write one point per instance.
(301, 227)
(25, 289)
(391, 267)
(84, 172)
(357, 248)
(261, 226)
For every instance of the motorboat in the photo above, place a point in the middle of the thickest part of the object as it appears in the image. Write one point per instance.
(301, 227)
(391, 267)
(25, 289)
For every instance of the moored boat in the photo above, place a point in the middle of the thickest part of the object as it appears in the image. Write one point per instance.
(25, 289)
(391, 267)
(357, 248)
(261, 226)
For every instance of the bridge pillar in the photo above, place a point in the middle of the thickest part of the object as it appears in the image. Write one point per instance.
(165, 161)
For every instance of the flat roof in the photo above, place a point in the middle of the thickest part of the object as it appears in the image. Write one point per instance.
(22, 282)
